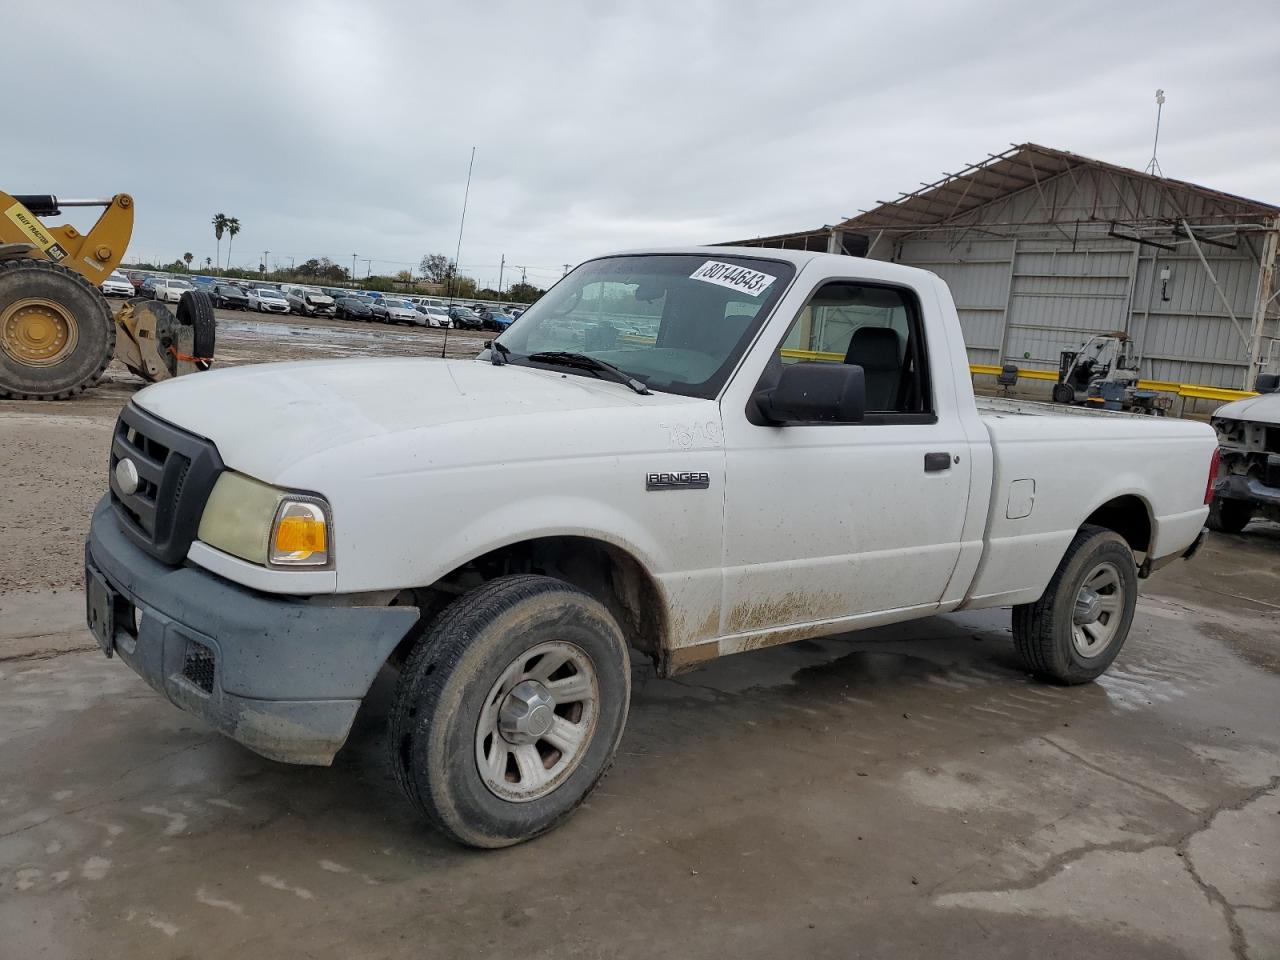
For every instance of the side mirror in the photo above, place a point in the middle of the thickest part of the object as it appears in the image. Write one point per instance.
(815, 392)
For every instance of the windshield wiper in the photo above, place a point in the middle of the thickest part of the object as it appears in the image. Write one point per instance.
(582, 361)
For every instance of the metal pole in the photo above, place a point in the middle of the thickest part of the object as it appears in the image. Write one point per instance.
(502, 264)
(457, 254)
(1266, 284)
(1218, 287)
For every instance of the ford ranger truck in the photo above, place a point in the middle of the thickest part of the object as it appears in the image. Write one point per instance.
(685, 453)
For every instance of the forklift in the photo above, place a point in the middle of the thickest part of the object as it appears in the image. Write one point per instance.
(1104, 374)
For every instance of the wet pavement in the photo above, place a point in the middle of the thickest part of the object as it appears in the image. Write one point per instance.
(907, 791)
(904, 792)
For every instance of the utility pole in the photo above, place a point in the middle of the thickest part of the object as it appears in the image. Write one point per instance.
(353, 268)
(501, 266)
(368, 268)
(566, 269)
(265, 254)
(1153, 167)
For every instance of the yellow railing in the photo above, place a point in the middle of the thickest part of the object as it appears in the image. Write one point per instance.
(1194, 391)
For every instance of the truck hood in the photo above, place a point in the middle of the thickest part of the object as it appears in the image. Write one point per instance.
(1264, 408)
(265, 418)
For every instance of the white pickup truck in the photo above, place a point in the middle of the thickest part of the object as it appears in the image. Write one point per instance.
(687, 452)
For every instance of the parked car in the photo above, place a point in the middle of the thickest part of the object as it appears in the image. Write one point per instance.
(463, 318)
(228, 297)
(171, 290)
(641, 513)
(117, 285)
(400, 311)
(1248, 481)
(310, 303)
(352, 308)
(148, 287)
(494, 319)
(268, 300)
(377, 310)
(136, 277)
(435, 316)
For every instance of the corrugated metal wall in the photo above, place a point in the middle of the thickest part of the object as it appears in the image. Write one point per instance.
(1045, 289)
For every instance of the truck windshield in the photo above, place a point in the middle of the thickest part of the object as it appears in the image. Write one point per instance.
(678, 323)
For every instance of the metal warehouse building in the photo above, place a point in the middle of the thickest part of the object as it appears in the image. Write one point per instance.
(1043, 248)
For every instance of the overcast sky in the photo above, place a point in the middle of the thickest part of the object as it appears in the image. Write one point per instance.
(333, 128)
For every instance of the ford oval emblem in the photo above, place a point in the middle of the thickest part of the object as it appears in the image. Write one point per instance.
(127, 476)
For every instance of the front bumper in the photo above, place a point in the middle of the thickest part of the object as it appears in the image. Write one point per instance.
(283, 676)
(1238, 487)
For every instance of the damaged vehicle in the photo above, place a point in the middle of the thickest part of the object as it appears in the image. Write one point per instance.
(1248, 482)
(681, 454)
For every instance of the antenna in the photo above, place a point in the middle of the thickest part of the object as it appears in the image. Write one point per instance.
(1153, 167)
(458, 253)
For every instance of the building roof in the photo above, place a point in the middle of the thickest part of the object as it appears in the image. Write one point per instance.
(1029, 166)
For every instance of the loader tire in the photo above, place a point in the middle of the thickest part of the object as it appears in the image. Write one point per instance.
(196, 310)
(1077, 627)
(57, 332)
(1064, 393)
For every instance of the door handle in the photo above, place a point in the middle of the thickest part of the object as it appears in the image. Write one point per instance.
(933, 462)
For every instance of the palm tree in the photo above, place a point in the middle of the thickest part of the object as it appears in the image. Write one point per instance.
(208, 262)
(219, 225)
(188, 258)
(233, 227)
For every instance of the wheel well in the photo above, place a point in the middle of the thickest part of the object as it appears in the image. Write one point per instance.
(606, 572)
(1127, 516)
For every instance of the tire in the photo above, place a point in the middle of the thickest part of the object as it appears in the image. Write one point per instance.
(194, 310)
(94, 325)
(1228, 515)
(464, 663)
(1049, 642)
(1064, 393)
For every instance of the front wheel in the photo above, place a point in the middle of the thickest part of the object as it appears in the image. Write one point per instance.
(510, 710)
(1073, 632)
(1229, 516)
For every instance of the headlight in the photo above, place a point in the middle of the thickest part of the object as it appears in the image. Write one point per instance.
(263, 524)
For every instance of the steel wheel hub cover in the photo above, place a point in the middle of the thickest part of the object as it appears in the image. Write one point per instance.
(536, 723)
(1098, 610)
(38, 332)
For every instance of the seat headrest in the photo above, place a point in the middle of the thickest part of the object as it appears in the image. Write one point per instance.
(874, 348)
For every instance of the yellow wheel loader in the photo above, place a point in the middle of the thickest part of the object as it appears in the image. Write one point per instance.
(57, 332)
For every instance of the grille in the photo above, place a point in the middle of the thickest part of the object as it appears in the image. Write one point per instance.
(1272, 476)
(198, 666)
(176, 471)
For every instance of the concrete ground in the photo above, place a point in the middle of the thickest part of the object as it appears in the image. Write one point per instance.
(903, 792)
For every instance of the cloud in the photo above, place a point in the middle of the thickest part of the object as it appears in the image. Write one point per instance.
(339, 128)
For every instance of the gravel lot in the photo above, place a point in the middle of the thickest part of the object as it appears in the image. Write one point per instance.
(903, 792)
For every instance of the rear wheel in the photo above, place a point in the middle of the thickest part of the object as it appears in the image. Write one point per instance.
(510, 710)
(1074, 631)
(1229, 516)
(57, 332)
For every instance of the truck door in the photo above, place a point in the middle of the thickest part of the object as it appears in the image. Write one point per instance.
(827, 522)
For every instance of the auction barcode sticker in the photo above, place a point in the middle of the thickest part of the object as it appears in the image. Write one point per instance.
(751, 282)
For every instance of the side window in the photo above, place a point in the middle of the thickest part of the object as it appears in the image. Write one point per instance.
(876, 328)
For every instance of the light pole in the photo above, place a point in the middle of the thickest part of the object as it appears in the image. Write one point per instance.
(353, 268)
(265, 254)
